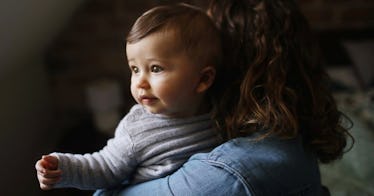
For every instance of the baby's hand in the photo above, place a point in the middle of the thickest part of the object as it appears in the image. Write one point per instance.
(47, 172)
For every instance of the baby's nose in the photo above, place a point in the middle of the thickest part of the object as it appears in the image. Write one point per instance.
(142, 82)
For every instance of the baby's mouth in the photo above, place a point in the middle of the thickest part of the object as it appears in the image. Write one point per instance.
(147, 100)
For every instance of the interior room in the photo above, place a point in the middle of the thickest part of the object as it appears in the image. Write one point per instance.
(65, 82)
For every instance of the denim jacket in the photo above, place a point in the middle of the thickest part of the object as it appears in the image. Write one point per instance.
(240, 166)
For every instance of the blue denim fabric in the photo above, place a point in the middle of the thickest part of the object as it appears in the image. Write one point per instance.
(239, 167)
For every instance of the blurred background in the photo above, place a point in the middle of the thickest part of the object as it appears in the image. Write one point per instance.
(64, 82)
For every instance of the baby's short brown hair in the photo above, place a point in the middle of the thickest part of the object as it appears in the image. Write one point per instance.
(193, 30)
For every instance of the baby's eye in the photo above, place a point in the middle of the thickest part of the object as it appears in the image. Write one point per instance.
(134, 69)
(156, 69)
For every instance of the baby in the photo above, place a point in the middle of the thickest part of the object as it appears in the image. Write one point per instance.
(173, 53)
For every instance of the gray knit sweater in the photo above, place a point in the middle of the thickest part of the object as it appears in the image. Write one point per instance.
(145, 146)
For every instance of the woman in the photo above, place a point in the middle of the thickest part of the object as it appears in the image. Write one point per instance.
(275, 110)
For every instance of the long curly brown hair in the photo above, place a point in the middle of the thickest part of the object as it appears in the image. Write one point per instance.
(274, 80)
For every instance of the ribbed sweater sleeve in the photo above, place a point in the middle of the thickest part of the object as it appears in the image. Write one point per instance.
(103, 169)
(145, 146)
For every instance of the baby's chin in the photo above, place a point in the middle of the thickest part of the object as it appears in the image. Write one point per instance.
(163, 113)
(155, 111)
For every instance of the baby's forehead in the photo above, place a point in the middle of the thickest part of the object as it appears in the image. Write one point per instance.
(160, 43)
(170, 39)
(171, 33)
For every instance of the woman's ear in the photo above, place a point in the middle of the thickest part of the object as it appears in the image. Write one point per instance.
(207, 76)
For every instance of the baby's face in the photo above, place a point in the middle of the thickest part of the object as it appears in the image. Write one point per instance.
(164, 80)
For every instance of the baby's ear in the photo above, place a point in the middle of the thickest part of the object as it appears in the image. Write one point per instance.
(207, 76)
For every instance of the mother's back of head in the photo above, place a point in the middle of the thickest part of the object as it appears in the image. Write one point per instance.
(273, 78)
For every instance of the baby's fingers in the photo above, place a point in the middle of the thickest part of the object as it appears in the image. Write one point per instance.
(50, 173)
(45, 171)
(47, 183)
(45, 187)
(39, 166)
(50, 162)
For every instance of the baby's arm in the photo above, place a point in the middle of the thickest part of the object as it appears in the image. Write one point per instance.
(109, 167)
(106, 168)
(47, 172)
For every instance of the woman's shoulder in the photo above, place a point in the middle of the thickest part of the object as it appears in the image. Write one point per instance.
(263, 165)
(269, 149)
